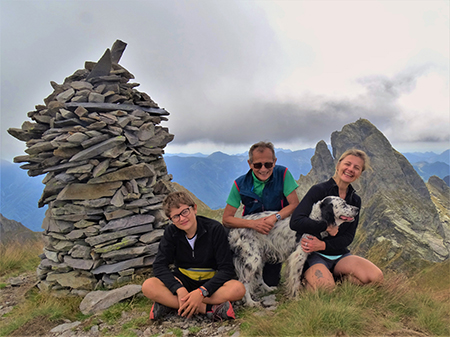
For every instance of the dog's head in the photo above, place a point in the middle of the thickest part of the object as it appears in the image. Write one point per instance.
(335, 210)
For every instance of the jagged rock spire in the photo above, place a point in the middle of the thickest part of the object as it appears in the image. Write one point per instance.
(397, 209)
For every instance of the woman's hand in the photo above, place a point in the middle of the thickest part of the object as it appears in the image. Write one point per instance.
(191, 304)
(312, 244)
(332, 230)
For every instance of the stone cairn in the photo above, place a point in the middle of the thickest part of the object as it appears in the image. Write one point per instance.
(98, 141)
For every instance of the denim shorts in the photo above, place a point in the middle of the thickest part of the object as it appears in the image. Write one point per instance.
(315, 258)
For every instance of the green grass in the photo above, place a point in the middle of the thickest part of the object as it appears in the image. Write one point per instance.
(357, 311)
(112, 314)
(418, 302)
(194, 329)
(39, 306)
(16, 258)
(177, 332)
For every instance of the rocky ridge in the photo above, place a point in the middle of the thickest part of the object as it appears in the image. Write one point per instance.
(11, 231)
(397, 207)
(99, 142)
(440, 195)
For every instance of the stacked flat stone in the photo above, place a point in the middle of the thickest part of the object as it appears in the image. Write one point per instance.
(99, 142)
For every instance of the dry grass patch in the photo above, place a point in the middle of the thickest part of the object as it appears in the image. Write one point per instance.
(18, 257)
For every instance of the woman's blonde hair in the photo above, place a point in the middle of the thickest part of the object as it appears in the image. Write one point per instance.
(357, 153)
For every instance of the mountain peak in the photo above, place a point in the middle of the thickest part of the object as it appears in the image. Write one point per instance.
(397, 208)
(11, 230)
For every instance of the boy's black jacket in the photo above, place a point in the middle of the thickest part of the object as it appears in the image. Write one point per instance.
(212, 250)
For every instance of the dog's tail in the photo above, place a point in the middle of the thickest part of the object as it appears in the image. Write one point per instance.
(293, 271)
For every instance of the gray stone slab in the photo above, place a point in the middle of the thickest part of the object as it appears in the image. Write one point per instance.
(99, 300)
(64, 166)
(88, 191)
(103, 66)
(113, 106)
(153, 236)
(117, 267)
(127, 173)
(80, 252)
(78, 263)
(73, 279)
(131, 221)
(97, 149)
(95, 240)
(130, 253)
(65, 327)
(126, 242)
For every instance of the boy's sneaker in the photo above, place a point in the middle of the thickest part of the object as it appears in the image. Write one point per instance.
(221, 311)
(159, 310)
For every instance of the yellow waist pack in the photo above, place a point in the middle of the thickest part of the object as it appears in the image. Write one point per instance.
(198, 274)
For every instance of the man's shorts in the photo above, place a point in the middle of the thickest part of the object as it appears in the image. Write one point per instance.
(315, 258)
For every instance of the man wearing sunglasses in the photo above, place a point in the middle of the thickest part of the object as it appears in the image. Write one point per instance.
(265, 187)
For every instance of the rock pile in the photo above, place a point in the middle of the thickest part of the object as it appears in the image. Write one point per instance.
(99, 142)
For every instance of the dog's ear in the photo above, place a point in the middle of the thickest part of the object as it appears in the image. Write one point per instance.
(326, 208)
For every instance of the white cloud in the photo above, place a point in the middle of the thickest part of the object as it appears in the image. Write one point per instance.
(235, 72)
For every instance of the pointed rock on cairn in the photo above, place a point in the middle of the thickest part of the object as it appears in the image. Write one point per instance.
(99, 142)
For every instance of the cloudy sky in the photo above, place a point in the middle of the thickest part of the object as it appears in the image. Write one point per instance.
(232, 73)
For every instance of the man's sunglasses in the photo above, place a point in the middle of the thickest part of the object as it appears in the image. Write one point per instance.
(267, 165)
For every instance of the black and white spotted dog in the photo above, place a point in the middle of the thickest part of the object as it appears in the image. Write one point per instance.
(252, 249)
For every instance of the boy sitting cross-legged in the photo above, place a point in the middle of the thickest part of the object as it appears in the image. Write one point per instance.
(203, 279)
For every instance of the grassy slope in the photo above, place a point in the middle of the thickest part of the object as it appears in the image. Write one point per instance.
(418, 305)
(414, 305)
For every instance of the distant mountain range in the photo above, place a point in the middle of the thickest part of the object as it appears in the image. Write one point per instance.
(209, 177)
(211, 180)
(20, 194)
(428, 157)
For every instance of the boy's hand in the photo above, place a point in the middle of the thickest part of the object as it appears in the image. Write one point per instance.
(191, 304)
(181, 293)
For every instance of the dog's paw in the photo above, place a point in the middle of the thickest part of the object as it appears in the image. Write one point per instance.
(267, 289)
(253, 304)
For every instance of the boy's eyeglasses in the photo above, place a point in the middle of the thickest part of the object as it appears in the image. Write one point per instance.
(259, 165)
(185, 212)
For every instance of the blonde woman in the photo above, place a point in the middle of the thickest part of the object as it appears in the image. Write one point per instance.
(330, 257)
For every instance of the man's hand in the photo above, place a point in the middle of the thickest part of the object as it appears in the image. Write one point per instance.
(191, 304)
(262, 226)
